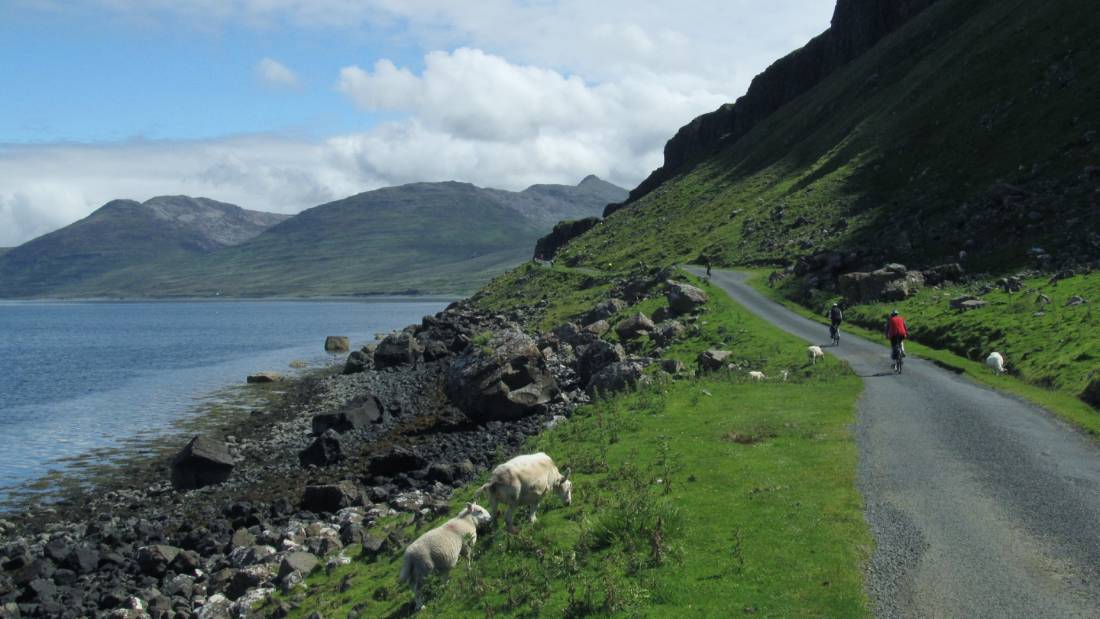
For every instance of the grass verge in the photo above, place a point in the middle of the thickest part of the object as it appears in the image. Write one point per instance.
(707, 497)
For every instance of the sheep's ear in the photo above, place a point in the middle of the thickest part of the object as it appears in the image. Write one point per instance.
(567, 473)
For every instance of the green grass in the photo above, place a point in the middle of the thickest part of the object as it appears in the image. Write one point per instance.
(1050, 357)
(704, 497)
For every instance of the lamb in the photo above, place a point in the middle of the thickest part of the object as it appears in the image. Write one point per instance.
(438, 550)
(524, 480)
(996, 362)
(757, 375)
(814, 353)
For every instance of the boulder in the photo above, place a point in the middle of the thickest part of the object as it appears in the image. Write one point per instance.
(634, 326)
(943, 273)
(672, 366)
(711, 360)
(684, 298)
(573, 334)
(323, 451)
(396, 460)
(203, 462)
(966, 302)
(1075, 300)
(614, 378)
(301, 562)
(1010, 284)
(886, 284)
(668, 332)
(598, 328)
(604, 310)
(595, 357)
(337, 343)
(264, 377)
(662, 314)
(358, 415)
(359, 361)
(399, 348)
(154, 560)
(507, 379)
(331, 498)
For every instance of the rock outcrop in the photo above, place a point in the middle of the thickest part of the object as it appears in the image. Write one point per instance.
(547, 247)
(856, 26)
(507, 380)
(892, 282)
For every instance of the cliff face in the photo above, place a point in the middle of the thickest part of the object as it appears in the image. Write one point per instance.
(856, 26)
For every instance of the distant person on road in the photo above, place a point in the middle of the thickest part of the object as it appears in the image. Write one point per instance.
(836, 316)
(896, 332)
(706, 263)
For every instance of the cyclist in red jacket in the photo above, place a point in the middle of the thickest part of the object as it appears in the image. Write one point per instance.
(896, 332)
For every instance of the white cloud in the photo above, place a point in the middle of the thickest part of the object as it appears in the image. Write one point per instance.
(276, 74)
(526, 92)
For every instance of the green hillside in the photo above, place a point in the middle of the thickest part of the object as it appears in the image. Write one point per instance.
(974, 127)
(427, 238)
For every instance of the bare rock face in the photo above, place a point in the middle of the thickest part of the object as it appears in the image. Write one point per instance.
(203, 462)
(507, 380)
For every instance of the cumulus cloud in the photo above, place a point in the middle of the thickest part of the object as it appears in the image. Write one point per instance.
(275, 74)
(509, 93)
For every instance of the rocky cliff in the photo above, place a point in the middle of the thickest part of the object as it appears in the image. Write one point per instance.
(856, 26)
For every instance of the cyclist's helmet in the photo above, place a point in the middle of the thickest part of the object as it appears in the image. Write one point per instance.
(894, 313)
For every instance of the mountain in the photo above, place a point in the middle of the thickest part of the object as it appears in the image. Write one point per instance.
(908, 132)
(123, 233)
(428, 238)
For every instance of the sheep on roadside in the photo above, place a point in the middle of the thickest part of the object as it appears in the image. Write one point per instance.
(814, 353)
(757, 375)
(996, 362)
(524, 480)
(438, 550)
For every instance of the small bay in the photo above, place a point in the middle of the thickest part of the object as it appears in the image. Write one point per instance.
(80, 377)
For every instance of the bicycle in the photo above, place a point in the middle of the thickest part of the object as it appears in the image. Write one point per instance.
(897, 354)
(834, 334)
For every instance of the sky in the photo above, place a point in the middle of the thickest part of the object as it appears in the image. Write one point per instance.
(280, 105)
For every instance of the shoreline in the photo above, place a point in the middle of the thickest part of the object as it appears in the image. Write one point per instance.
(408, 461)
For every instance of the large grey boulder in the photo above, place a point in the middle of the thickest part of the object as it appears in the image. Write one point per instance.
(154, 560)
(360, 360)
(331, 498)
(396, 349)
(604, 310)
(685, 298)
(710, 360)
(358, 415)
(203, 462)
(614, 378)
(890, 283)
(323, 451)
(504, 380)
(301, 562)
(595, 357)
(634, 326)
(668, 332)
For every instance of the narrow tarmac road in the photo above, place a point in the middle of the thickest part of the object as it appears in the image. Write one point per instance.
(981, 505)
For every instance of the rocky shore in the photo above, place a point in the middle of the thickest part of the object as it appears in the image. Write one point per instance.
(256, 507)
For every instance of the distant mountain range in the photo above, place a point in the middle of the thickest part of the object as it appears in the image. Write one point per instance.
(424, 238)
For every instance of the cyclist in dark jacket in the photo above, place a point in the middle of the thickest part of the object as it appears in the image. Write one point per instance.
(836, 316)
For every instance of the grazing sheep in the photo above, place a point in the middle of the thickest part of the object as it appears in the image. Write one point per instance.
(814, 353)
(524, 480)
(757, 375)
(996, 362)
(438, 550)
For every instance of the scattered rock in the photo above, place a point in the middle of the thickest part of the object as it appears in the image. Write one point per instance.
(634, 326)
(507, 381)
(264, 377)
(331, 498)
(595, 357)
(604, 310)
(154, 560)
(614, 378)
(712, 360)
(396, 460)
(358, 415)
(685, 298)
(668, 332)
(598, 328)
(337, 343)
(1075, 300)
(397, 349)
(301, 562)
(203, 462)
(360, 361)
(323, 451)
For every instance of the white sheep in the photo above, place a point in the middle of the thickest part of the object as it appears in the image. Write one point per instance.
(524, 480)
(996, 362)
(757, 375)
(438, 550)
(815, 353)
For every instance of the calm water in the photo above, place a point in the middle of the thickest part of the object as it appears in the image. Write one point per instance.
(83, 376)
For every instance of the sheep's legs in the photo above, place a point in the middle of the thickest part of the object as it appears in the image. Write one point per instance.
(534, 508)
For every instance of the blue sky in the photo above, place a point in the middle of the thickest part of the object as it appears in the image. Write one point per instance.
(280, 105)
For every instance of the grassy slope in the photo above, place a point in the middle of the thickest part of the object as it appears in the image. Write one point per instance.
(912, 136)
(1048, 360)
(773, 526)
